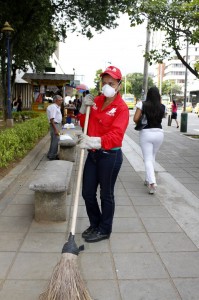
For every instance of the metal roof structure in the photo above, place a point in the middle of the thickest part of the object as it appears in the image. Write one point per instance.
(48, 78)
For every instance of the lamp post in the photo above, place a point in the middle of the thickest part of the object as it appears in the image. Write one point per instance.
(7, 30)
(184, 116)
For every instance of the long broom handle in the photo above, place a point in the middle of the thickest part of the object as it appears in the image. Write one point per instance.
(79, 176)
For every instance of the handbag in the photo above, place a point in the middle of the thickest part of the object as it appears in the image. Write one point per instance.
(142, 123)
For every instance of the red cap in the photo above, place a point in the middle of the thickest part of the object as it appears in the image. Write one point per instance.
(113, 72)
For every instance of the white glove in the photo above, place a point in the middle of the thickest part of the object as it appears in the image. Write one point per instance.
(89, 142)
(88, 100)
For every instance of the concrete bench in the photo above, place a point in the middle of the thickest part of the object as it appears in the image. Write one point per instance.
(67, 148)
(51, 186)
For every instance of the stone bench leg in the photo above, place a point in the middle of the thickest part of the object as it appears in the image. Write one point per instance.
(50, 206)
(67, 153)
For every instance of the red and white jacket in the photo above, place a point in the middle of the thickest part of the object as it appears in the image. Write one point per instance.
(110, 123)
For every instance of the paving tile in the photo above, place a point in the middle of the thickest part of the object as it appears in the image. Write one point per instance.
(159, 289)
(142, 191)
(18, 211)
(102, 247)
(127, 169)
(5, 262)
(23, 199)
(81, 211)
(10, 241)
(130, 242)
(188, 288)
(120, 192)
(14, 224)
(135, 185)
(145, 200)
(127, 177)
(161, 225)
(143, 266)
(124, 211)
(118, 185)
(176, 241)
(127, 225)
(181, 264)
(152, 211)
(43, 242)
(22, 289)
(25, 191)
(82, 224)
(188, 180)
(103, 289)
(192, 186)
(48, 226)
(33, 266)
(96, 266)
(122, 200)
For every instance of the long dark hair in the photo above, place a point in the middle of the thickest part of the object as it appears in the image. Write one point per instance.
(153, 107)
(174, 103)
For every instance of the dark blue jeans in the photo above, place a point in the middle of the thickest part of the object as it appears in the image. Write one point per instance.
(101, 168)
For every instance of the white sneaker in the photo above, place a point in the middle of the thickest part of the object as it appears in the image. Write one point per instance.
(152, 189)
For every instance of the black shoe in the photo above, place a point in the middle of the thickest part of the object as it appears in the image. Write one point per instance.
(54, 158)
(87, 232)
(96, 236)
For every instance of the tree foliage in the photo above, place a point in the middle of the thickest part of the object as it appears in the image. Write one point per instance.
(134, 83)
(177, 19)
(39, 24)
(169, 87)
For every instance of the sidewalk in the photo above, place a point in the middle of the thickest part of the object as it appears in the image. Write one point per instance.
(153, 250)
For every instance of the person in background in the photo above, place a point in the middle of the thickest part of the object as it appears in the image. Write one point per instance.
(55, 119)
(82, 108)
(151, 137)
(14, 105)
(19, 104)
(108, 121)
(77, 104)
(174, 115)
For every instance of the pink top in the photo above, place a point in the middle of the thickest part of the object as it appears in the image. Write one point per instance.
(174, 108)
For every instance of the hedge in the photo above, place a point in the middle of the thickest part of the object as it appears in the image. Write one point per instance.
(17, 141)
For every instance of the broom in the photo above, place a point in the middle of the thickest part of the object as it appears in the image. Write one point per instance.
(66, 282)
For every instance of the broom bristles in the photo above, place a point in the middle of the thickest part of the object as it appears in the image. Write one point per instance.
(66, 282)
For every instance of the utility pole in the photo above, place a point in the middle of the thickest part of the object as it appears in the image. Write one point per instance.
(184, 115)
(146, 64)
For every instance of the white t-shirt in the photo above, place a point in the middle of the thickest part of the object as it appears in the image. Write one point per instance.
(139, 105)
(54, 112)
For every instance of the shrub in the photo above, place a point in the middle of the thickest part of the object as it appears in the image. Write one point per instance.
(17, 141)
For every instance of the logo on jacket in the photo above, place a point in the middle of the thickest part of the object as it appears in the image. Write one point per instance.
(111, 112)
(94, 106)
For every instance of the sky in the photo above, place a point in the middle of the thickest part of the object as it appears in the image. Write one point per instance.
(122, 47)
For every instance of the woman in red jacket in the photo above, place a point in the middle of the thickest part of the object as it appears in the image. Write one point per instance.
(108, 121)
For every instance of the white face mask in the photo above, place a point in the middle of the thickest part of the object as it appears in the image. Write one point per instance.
(108, 91)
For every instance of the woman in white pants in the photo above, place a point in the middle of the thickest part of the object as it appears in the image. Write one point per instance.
(152, 135)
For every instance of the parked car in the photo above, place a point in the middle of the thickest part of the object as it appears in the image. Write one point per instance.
(189, 107)
(196, 109)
